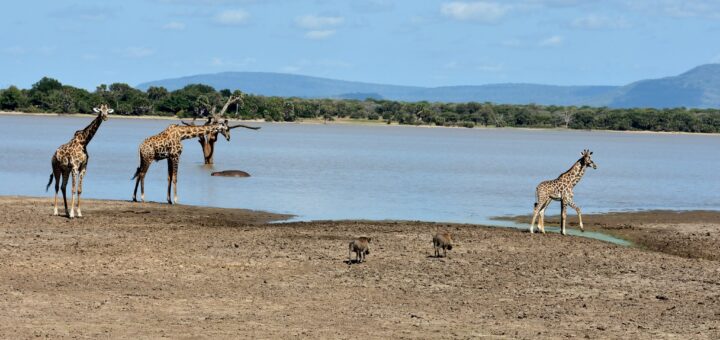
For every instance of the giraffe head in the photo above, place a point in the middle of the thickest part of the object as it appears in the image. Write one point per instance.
(224, 129)
(103, 111)
(586, 159)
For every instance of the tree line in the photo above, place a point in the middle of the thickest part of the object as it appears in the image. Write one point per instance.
(195, 101)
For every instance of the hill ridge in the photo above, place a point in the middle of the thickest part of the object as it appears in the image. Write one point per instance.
(698, 87)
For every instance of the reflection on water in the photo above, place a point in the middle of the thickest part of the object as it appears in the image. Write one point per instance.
(378, 172)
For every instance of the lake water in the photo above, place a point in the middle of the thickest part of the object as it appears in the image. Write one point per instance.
(378, 172)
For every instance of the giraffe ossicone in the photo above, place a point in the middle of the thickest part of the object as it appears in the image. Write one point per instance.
(561, 189)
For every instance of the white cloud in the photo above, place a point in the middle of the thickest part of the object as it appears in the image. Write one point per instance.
(319, 34)
(482, 66)
(86, 12)
(314, 22)
(451, 65)
(595, 22)
(480, 11)
(553, 41)
(291, 69)
(511, 43)
(318, 27)
(679, 8)
(206, 2)
(232, 17)
(316, 66)
(558, 3)
(174, 26)
(219, 62)
(490, 68)
(15, 50)
(372, 6)
(138, 52)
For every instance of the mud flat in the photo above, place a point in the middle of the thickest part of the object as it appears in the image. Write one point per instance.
(691, 234)
(152, 270)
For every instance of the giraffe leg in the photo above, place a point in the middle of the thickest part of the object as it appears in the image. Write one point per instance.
(72, 193)
(57, 175)
(563, 217)
(541, 222)
(63, 187)
(137, 182)
(176, 162)
(535, 214)
(170, 178)
(140, 180)
(79, 191)
(577, 210)
(142, 188)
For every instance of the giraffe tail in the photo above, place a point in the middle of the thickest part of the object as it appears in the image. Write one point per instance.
(47, 187)
(137, 172)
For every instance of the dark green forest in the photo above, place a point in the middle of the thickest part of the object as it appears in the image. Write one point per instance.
(195, 101)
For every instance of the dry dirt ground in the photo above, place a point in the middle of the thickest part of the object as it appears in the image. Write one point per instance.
(151, 270)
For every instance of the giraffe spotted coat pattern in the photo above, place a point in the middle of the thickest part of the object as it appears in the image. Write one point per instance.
(561, 189)
(168, 145)
(71, 159)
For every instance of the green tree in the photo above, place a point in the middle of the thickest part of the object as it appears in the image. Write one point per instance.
(12, 99)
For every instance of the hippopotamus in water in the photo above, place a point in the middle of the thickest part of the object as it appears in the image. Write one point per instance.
(231, 173)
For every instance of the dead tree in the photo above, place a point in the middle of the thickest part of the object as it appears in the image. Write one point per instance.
(207, 142)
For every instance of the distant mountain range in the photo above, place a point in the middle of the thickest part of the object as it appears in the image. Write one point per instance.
(697, 88)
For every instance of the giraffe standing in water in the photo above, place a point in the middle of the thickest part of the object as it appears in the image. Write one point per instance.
(168, 145)
(561, 189)
(71, 159)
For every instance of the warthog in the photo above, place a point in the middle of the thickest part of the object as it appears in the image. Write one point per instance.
(360, 247)
(442, 240)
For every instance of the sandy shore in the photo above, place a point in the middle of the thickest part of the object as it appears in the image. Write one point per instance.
(130, 270)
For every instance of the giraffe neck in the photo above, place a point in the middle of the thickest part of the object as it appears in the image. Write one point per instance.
(574, 174)
(187, 132)
(88, 133)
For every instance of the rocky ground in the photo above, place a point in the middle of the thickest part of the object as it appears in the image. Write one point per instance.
(131, 270)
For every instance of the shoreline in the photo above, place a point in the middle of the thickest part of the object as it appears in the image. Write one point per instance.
(361, 122)
(686, 233)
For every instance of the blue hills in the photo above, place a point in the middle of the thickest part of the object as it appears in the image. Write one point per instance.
(697, 88)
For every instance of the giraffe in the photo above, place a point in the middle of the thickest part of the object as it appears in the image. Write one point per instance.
(561, 189)
(71, 159)
(168, 145)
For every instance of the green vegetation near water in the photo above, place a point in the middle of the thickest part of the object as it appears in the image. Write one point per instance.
(49, 95)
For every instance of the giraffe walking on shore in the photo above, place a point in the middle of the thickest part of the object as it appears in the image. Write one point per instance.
(71, 159)
(561, 189)
(168, 145)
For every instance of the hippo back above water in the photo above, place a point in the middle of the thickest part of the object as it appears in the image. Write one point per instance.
(231, 173)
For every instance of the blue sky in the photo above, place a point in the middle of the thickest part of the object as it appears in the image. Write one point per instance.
(425, 43)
